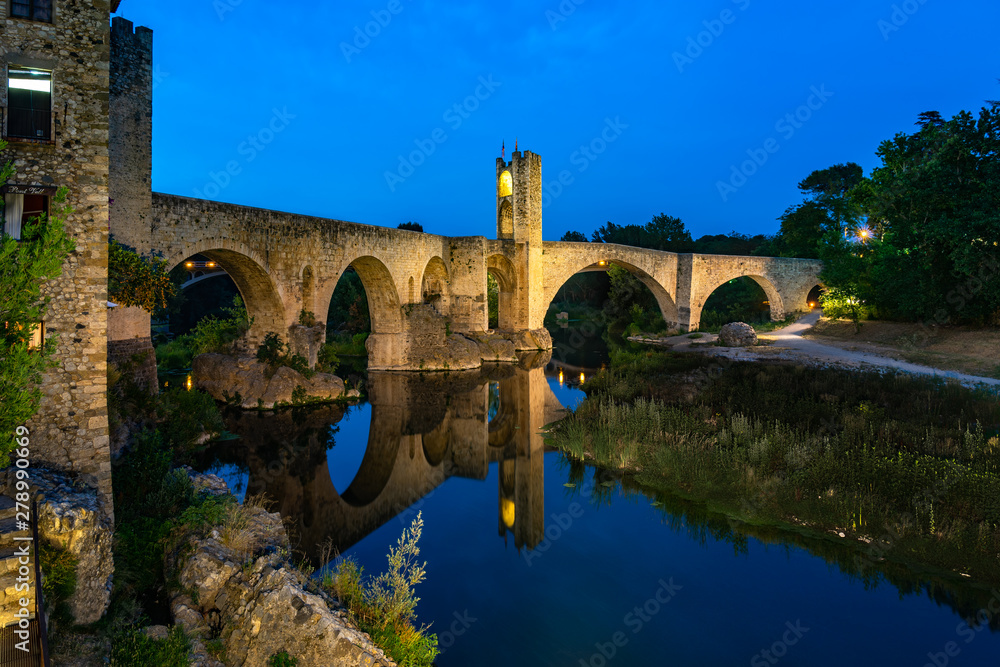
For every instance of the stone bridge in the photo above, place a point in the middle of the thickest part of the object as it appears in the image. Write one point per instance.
(427, 294)
(424, 430)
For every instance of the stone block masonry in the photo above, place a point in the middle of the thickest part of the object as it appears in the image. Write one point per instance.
(71, 427)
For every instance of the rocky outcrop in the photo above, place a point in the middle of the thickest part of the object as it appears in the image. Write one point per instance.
(737, 334)
(70, 518)
(252, 385)
(238, 586)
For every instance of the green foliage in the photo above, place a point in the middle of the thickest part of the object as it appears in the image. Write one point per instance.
(137, 280)
(327, 359)
(211, 334)
(739, 300)
(493, 301)
(630, 306)
(385, 606)
(24, 266)
(275, 353)
(348, 312)
(412, 226)
(934, 204)
(282, 660)
(835, 450)
(574, 237)
(132, 647)
(663, 232)
(185, 416)
(59, 577)
(307, 318)
(345, 345)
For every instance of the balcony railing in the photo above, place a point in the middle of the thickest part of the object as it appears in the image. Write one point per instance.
(27, 123)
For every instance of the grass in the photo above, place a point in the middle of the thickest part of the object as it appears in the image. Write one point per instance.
(964, 349)
(132, 647)
(828, 450)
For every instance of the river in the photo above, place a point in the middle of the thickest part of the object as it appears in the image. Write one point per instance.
(532, 560)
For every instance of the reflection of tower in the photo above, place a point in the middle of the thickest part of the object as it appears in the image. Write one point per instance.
(519, 219)
(521, 467)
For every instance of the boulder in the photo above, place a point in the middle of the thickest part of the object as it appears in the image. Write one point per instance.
(738, 334)
(257, 603)
(226, 378)
(533, 339)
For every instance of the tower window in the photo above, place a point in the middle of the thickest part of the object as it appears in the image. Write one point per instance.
(29, 111)
(19, 209)
(33, 10)
(506, 186)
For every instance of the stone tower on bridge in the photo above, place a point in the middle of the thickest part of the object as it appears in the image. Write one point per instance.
(519, 220)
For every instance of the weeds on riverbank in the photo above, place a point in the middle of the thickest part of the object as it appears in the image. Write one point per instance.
(385, 606)
(865, 454)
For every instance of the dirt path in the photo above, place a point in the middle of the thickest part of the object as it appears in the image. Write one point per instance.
(787, 344)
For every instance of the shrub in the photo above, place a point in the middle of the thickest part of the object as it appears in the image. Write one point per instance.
(282, 660)
(385, 606)
(274, 352)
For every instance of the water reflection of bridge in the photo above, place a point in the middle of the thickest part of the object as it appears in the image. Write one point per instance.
(424, 430)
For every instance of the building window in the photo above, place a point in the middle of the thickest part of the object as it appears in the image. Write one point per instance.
(33, 10)
(21, 207)
(29, 111)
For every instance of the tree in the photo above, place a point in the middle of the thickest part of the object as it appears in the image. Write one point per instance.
(412, 226)
(136, 280)
(935, 204)
(575, 237)
(24, 266)
(663, 232)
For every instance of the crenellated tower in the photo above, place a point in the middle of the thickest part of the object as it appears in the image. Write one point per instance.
(519, 220)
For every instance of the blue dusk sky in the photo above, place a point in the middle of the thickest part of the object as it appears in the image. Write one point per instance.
(384, 111)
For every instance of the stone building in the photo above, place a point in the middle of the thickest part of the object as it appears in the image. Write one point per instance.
(55, 58)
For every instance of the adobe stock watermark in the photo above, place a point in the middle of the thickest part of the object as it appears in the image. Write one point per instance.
(454, 116)
(458, 627)
(696, 44)
(363, 36)
(635, 620)
(899, 17)
(787, 126)
(562, 12)
(556, 527)
(966, 633)
(249, 149)
(223, 7)
(779, 649)
(583, 157)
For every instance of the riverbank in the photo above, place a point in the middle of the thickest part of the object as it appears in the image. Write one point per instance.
(796, 343)
(907, 468)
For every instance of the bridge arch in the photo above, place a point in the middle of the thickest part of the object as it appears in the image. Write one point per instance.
(502, 269)
(775, 303)
(666, 303)
(434, 285)
(261, 294)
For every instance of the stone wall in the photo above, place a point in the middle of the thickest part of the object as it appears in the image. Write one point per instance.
(71, 427)
(130, 127)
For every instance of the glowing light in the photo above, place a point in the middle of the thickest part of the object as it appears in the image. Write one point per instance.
(189, 264)
(31, 84)
(583, 378)
(602, 263)
(507, 512)
(812, 304)
(188, 383)
(560, 376)
(506, 184)
(211, 265)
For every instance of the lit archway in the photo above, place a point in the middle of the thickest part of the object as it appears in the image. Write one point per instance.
(505, 187)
